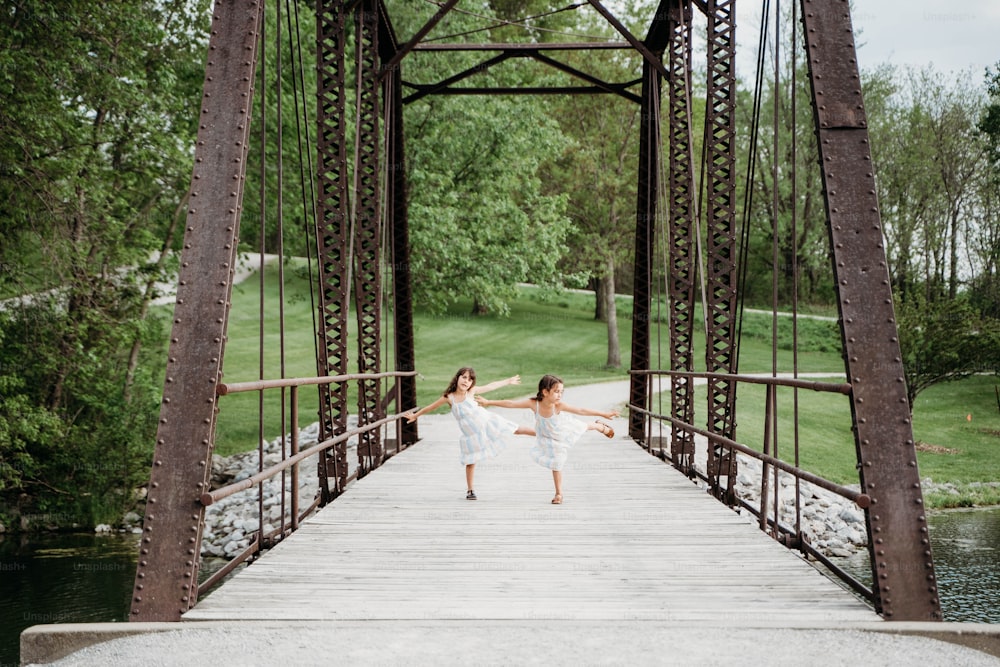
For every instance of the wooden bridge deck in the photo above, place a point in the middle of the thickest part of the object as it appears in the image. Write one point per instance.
(634, 540)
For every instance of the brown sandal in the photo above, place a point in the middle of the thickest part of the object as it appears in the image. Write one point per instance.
(557, 500)
(605, 429)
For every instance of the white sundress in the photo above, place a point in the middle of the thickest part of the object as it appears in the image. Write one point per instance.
(483, 431)
(554, 436)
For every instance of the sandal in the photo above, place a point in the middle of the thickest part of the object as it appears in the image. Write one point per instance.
(605, 429)
(471, 495)
(557, 500)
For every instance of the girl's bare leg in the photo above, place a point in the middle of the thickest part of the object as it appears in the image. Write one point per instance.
(470, 472)
(557, 480)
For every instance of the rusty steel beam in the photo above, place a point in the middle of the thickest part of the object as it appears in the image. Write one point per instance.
(905, 586)
(721, 241)
(333, 239)
(396, 58)
(680, 235)
(513, 46)
(645, 217)
(368, 234)
(400, 237)
(166, 580)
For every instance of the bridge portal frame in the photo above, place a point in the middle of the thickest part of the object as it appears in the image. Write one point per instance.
(166, 577)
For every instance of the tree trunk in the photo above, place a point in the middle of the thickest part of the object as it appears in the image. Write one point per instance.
(168, 241)
(600, 313)
(607, 296)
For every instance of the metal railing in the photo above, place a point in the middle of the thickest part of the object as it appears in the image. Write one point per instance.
(790, 536)
(291, 513)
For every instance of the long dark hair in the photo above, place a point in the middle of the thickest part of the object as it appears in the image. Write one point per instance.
(547, 382)
(453, 385)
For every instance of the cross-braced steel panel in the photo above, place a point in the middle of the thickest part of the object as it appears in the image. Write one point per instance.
(333, 239)
(721, 241)
(368, 235)
(166, 583)
(904, 582)
(681, 236)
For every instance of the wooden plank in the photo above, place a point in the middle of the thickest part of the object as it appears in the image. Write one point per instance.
(634, 539)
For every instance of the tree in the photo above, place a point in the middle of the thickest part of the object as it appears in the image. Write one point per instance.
(944, 340)
(928, 156)
(289, 118)
(984, 235)
(598, 172)
(480, 221)
(98, 118)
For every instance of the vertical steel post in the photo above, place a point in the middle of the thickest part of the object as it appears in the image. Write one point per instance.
(332, 238)
(166, 580)
(681, 234)
(368, 235)
(402, 292)
(649, 128)
(904, 582)
(721, 241)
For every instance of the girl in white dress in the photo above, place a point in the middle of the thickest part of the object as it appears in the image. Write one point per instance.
(556, 430)
(482, 431)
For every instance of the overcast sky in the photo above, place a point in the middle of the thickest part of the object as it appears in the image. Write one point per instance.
(953, 35)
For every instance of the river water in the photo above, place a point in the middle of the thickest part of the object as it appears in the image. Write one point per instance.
(88, 578)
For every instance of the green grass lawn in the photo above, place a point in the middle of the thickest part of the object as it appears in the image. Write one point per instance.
(957, 425)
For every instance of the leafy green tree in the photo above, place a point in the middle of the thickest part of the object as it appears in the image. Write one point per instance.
(984, 239)
(288, 55)
(789, 215)
(480, 219)
(944, 340)
(929, 157)
(98, 112)
(598, 172)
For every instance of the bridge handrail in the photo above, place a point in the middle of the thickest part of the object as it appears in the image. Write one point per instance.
(862, 500)
(292, 461)
(834, 387)
(215, 496)
(225, 388)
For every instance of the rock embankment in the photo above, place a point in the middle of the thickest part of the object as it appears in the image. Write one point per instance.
(834, 525)
(231, 522)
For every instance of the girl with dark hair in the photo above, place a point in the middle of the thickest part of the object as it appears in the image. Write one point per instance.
(482, 431)
(556, 430)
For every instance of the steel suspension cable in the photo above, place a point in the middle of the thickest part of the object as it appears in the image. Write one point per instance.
(794, 78)
(660, 236)
(748, 191)
(307, 175)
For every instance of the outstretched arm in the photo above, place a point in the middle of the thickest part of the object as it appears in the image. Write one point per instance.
(505, 403)
(610, 414)
(412, 415)
(496, 385)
